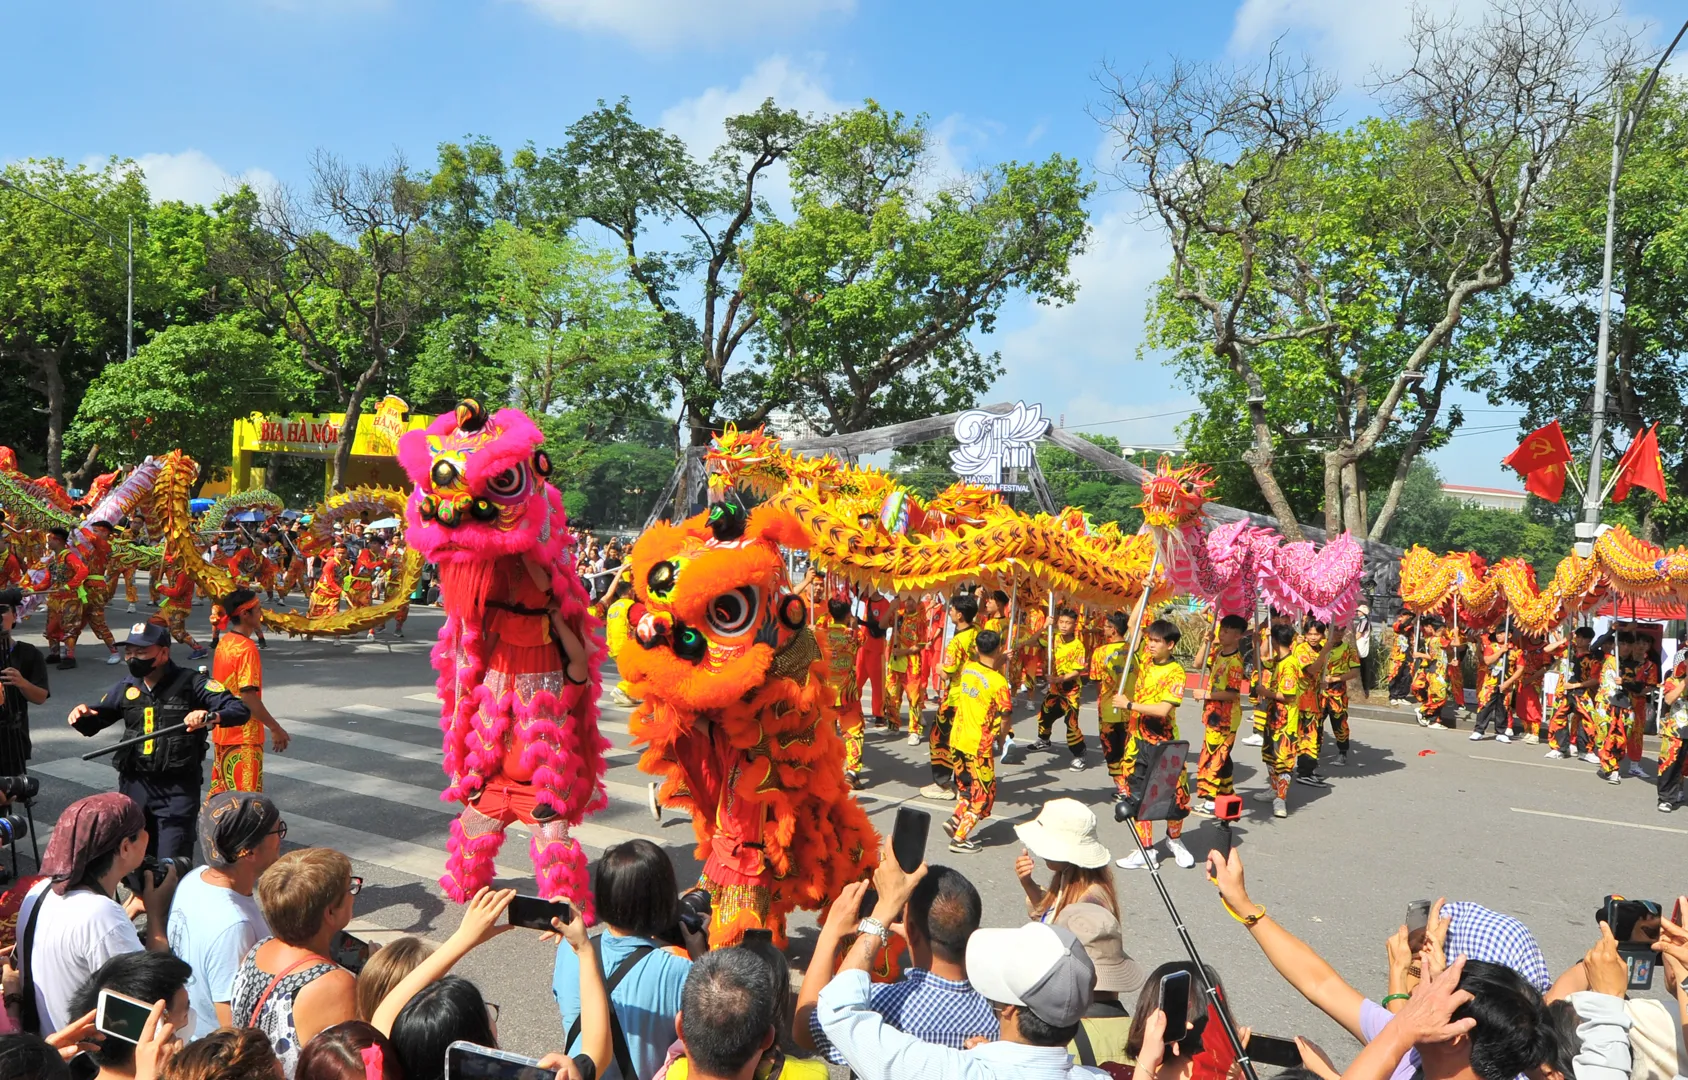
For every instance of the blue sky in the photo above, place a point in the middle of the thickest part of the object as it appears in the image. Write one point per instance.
(203, 92)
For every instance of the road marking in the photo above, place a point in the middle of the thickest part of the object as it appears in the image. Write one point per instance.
(1599, 821)
(1532, 764)
(363, 741)
(405, 716)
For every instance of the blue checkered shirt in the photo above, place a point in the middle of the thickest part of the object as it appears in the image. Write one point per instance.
(921, 1004)
(1480, 933)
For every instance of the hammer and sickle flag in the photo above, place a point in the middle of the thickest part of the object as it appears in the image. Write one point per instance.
(1541, 459)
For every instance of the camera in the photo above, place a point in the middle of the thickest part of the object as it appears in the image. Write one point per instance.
(13, 827)
(154, 869)
(695, 909)
(22, 788)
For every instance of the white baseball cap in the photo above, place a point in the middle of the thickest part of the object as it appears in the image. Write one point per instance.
(1038, 967)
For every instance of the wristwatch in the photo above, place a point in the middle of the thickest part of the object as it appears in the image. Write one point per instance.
(870, 925)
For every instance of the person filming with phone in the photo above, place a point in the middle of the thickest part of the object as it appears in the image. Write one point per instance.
(121, 994)
(23, 682)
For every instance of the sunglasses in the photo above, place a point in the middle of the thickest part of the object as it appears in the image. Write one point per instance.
(357, 885)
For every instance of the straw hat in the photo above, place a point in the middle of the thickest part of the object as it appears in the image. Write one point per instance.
(1065, 831)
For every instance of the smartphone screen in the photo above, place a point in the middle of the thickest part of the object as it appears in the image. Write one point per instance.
(350, 952)
(1642, 962)
(466, 1061)
(536, 913)
(908, 837)
(1175, 1003)
(1634, 920)
(121, 1016)
(1418, 921)
(1270, 1050)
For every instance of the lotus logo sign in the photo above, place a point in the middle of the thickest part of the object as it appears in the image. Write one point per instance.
(993, 443)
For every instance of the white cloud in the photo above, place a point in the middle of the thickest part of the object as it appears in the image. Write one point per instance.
(697, 120)
(663, 24)
(1349, 38)
(1080, 361)
(192, 177)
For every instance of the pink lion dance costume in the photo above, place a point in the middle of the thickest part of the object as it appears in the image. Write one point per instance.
(519, 707)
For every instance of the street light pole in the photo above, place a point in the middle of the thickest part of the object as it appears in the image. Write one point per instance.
(1623, 130)
(112, 240)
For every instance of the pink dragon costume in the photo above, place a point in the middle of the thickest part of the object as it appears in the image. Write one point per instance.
(518, 680)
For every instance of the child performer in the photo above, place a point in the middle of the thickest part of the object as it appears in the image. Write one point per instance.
(1153, 703)
(960, 651)
(1342, 668)
(1107, 666)
(1066, 683)
(905, 672)
(974, 711)
(1221, 710)
(843, 694)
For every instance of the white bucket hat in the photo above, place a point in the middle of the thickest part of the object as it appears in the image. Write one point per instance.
(1065, 831)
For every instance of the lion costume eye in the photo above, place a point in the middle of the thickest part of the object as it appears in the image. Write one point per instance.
(731, 614)
(509, 483)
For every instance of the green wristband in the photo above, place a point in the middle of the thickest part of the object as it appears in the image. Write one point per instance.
(1394, 997)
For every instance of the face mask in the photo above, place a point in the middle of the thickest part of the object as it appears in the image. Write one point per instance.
(141, 666)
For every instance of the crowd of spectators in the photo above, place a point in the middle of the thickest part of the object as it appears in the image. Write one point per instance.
(237, 964)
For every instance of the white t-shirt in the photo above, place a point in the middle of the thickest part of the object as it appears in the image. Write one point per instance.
(212, 928)
(76, 934)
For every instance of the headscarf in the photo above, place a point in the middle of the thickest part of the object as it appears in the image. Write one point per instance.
(1482, 934)
(232, 823)
(89, 829)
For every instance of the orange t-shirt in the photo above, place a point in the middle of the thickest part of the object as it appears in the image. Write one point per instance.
(238, 667)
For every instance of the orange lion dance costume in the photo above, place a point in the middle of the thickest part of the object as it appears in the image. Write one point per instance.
(518, 680)
(733, 717)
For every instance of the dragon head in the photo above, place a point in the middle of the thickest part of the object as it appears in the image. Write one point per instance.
(480, 488)
(1173, 497)
(743, 458)
(713, 609)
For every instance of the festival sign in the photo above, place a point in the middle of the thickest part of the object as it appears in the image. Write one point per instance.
(296, 433)
(993, 443)
(389, 423)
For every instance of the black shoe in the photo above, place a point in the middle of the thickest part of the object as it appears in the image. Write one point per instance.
(54, 657)
(67, 663)
(968, 846)
(1310, 781)
(1043, 744)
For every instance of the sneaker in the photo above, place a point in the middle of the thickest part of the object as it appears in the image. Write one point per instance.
(653, 799)
(1636, 771)
(1423, 721)
(968, 846)
(398, 631)
(1078, 764)
(1043, 744)
(1665, 807)
(878, 723)
(1532, 739)
(1611, 777)
(263, 643)
(130, 610)
(619, 697)
(1205, 808)
(1310, 781)
(950, 825)
(1554, 753)
(937, 793)
(1592, 758)
(1265, 796)
(1134, 861)
(1478, 736)
(1503, 737)
(1341, 759)
(1255, 739)
(913, 737)
(54, 657)
(114, 658)
(67, 663)
(199, 654)
(1280, 808)
(1180, 854)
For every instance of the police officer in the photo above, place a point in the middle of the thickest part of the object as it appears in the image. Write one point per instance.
(163, 775)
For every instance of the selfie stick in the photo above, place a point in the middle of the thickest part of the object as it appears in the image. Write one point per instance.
(1208, 989)
(161, 733)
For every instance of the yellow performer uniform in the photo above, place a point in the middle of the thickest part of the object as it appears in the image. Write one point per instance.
(1065, 686)
(1157, 684)
(1114, 724)
(961, 651)
(978, 701)
(907, 676)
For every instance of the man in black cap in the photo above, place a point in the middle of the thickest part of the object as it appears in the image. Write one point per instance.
(214, 919)
(163, 775)
(23, 682)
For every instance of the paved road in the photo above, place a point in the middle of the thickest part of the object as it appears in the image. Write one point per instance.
(1418, 814)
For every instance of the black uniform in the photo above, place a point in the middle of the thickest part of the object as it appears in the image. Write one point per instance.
(164, 776)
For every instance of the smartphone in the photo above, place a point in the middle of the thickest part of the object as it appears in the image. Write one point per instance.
(466, 1061)
(350, 952)
(1175, 1003)
(870, 900)
(121, 1016)
(1634, 921)
(1418, 922)
(536, 913)
(908, 837)
(1271, 1050)
(1642, 961)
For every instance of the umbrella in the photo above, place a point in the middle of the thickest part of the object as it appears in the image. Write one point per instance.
(289, 515)
(386, 523)
(250, 515)
(200, 506)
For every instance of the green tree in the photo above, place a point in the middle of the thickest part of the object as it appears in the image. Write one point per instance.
(866, 299)
(63, 288)
(1075, 482)
(184, 389)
